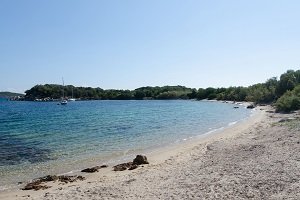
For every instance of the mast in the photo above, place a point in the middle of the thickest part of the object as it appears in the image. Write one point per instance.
(63, 91)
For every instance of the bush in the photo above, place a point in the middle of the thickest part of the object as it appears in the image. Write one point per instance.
(289, 101)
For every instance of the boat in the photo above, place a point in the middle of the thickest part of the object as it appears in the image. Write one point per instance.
(72, 99)
(63, 100)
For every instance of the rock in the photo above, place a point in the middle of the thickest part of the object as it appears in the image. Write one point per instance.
(35, 186)
(67, 179)
(251, 106)
(81, 178)
(133, 167)
(48, 178)
(140, 159)
(37, 183)
(123, 166)
(91, 170)
(94, 169)
(236, 107)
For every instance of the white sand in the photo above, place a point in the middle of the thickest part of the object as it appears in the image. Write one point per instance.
(254, 159)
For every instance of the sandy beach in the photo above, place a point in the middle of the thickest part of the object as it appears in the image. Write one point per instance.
(255, 159)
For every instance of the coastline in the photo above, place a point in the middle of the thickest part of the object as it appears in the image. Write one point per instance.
(155, 156)
(71, 164)
(256, 158)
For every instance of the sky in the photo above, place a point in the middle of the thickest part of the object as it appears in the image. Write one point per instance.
(126, 44)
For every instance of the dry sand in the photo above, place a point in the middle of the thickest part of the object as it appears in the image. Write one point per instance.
(255, 159)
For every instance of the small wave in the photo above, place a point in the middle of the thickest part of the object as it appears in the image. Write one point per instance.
(232, 123)
(8, 187)
(212, 131)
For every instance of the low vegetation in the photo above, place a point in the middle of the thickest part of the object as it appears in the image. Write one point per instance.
(289, 101)
(284, 92)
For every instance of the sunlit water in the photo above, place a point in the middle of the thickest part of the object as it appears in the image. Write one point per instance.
(40, 138)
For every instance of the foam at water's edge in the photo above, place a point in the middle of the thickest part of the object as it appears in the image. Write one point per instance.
(232, 123)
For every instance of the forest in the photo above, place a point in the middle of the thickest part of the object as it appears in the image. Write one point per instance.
(283, 92)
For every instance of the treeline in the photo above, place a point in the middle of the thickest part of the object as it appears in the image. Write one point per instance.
(53, 91)
(282, 92)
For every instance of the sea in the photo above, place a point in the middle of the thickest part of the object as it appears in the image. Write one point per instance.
(41, 138)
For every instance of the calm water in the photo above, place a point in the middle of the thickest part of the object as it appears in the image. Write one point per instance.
(40, 138)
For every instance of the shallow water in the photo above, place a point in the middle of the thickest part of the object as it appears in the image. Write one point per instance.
(40, 138)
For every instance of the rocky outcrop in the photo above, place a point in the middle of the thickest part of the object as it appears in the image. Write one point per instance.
(123, 166)
(139, 160)
(132, 167)
(70, 179)
(37, 184)
(90, 170)
(94, 169)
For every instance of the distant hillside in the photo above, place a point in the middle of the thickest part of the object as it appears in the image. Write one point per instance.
(52, 91)
(10, 94)
(284, 92)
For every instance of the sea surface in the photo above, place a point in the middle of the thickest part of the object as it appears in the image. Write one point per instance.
(41, 138)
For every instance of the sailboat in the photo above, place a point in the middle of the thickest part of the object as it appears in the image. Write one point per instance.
(72, 99)
(63, 100)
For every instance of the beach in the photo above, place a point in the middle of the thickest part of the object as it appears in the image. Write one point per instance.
(255, 159)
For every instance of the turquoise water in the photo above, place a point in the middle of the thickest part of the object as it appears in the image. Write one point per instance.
(40, 138)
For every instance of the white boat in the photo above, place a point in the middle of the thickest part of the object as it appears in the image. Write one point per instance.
(72, 99)
(63, 100)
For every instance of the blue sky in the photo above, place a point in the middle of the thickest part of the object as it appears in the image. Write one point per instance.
(128, 44)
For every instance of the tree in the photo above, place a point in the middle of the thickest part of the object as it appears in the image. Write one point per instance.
(287, 82)
(289, 101)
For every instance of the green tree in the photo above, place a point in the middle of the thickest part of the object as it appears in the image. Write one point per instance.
(289, 101)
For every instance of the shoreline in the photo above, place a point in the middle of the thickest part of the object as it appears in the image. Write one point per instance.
(155, 156)
(163, 153)
(125, 157)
